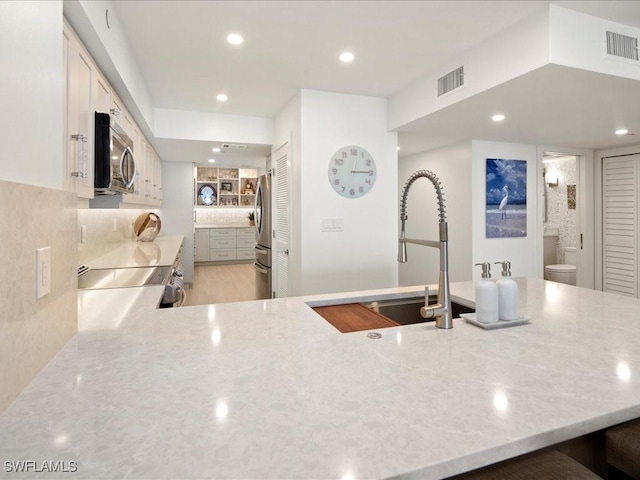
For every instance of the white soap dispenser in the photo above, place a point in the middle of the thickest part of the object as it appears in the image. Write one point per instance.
(486, 296)
(507, 294)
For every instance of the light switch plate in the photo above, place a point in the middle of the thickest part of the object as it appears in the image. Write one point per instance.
(43, 271)
(332, 225)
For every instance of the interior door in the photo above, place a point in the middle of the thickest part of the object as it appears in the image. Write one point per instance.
(282, 221)
(620, 180)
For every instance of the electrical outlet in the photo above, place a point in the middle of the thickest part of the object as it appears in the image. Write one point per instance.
(43, 271)
(332, 225)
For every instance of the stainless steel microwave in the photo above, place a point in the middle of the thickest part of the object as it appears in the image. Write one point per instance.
(115, 167)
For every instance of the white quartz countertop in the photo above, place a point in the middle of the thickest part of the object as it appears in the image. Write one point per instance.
(161, 252)
(106, 308)
(269, 389)
(223, 225)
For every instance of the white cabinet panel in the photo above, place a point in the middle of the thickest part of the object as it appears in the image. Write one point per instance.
(245, 254)
(221, 255)
(79, 71)
(224, 244)
(202, 246)
(245, 242)
(223, 232)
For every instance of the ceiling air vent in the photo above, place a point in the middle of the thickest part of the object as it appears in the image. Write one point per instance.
(451, 81)
(234, 146)
(622, 46)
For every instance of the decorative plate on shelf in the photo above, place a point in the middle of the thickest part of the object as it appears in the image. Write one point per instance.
(207, 194)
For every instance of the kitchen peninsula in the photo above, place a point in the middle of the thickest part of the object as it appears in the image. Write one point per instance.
(269, 389)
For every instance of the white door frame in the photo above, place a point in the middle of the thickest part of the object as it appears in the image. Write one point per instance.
(585, 275)
(599, 155)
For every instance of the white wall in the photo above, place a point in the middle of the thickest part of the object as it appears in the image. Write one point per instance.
(453, 166)
(185, 125)
(176, 212)
(522, 252)
(578, 40)
(363, 256)
(519, 49)
(31, 81)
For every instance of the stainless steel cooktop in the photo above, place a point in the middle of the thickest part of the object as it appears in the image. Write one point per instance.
(123, 277)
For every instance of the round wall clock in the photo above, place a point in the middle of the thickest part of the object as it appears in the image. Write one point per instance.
(352, 171)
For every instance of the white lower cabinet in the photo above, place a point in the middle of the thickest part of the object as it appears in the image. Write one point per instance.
(202, 245)
(224, 244)
(246, 239)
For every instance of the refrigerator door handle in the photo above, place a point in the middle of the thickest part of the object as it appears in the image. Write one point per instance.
(264, 271)
(260, 250)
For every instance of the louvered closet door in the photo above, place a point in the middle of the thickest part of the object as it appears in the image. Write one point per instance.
(620, 224)
(282, 220)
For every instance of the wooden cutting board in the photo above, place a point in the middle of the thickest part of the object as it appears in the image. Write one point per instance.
(353, 317)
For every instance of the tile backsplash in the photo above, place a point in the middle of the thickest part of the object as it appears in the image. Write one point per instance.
(33, 330)
(209, 215)
(104, 230)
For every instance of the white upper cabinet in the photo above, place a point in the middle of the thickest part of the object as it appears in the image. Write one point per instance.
(78, 116)
(101, 94)
(86, 91)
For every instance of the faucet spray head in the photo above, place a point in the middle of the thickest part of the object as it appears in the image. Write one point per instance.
(402, 245)
(402, 251)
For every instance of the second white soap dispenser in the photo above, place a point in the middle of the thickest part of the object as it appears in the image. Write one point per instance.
(507, 294)
(486, 296)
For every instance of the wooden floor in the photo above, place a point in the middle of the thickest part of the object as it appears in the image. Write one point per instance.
(222, 284)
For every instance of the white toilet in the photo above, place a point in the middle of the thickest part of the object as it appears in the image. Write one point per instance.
(564, 272)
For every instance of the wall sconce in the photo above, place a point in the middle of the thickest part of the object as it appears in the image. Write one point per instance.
(552, 181)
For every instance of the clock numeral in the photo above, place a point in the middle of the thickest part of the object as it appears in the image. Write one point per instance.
(368, 163)
(354, 151)
(361, 189)
(334, 171)
(352, 191)
(371, 173)
(344, 155)
(339, 161)
(336, 181)
(368, 180)
(344, 188)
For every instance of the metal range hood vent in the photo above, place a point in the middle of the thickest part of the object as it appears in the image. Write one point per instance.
(233, 146)
(622, 46)
(451, 81)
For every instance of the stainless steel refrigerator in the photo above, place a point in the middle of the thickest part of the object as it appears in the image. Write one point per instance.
(262, 264)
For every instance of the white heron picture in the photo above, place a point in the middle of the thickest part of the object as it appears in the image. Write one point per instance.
(506, 198)
(504, 201)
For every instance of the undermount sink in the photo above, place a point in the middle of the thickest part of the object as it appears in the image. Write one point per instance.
(376, 314)
(407, 310)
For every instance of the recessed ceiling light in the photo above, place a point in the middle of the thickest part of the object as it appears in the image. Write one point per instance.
(235, 39)
(622, 131)
(222, 97)
(498, 117)
(215, 149)
(212, 160)
(347, 57)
